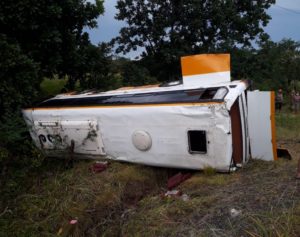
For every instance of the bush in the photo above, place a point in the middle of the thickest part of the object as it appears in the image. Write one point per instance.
(19, 86)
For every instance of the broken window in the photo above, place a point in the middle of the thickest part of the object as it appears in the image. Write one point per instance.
(197, 141)
(209, 93)
(178, 96)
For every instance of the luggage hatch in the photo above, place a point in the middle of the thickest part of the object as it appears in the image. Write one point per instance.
(59, 134)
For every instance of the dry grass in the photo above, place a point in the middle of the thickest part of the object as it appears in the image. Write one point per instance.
(97, 201)
(126, 200)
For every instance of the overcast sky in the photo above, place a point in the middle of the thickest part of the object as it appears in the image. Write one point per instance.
(285, 22)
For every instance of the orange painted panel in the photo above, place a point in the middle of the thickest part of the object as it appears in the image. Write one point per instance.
(273, 126)
(205, 63)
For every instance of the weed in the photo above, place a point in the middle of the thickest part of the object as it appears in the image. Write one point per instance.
(209, 171)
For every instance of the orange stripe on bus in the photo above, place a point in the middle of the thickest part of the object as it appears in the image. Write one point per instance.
(273, 127)
(205, 63)
(125, 106)
(137, 87)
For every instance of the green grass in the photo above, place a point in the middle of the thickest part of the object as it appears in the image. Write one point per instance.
(51, 87)
(60, 195)
(288, 126)
(127, 200)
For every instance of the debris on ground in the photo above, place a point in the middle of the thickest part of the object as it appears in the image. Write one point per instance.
(173, 193)
(185, 197)
(177, 179)
(234, 212)
(99, 166)
(73, 222)
(177, 194)
(68, 228)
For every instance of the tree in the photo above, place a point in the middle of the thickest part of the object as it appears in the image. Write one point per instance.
(134, 74)
(19, 78)
(38, 38)
(49, 32)
(278, 64)
(172, 28)
(95, 67)
(272, 65)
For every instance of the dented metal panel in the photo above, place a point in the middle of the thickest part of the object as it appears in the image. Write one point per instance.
(58, 134)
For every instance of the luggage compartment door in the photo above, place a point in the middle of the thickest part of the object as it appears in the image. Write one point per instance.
(261, 125)
(85, 134)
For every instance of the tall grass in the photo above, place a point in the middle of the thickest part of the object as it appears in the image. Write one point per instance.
(288, 125)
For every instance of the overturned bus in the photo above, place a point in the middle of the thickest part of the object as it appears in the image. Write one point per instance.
(206, 120)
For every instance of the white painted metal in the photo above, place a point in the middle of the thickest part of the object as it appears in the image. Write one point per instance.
(234, 93)
(208, 79)
(259, 124)
(141, 140)
(167, 125)
(247, 142)
(244, 123)
(85, 134)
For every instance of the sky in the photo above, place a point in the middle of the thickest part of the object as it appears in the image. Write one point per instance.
(285, 23)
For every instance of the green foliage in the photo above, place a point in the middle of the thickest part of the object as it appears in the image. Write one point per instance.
(19, 81)
(281, 63)
(271, 66)
(4, 154)
(42, 38)
(52, 87)
(18, 155)
(94, 67)
(170, 29)
(49, 32)
(136, 75)
(287, 126)
(38, 38)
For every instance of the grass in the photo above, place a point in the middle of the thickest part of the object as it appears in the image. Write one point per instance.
(288, 126)
(128, 200)
(95, 200)
(52, 87)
